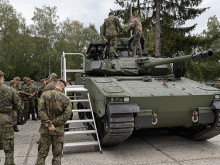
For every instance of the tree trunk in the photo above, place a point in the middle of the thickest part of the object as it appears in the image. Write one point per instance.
(158, 30)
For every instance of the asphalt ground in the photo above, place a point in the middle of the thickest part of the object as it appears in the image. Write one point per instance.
(156, 147)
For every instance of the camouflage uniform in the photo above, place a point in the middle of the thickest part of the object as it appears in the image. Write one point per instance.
(136, 26)
(52, 82)
(18, 88)
(110, 31)
(34, 103)
(27, 101)
(15, 111)
(8, 100)
(54, 108)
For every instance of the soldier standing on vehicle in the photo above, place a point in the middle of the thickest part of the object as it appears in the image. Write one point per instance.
(110, 32)
(136, 26)
(8, 100)
(54, 111)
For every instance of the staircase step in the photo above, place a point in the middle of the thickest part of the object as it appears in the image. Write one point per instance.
(75, 70)
(81, 110)
(79, 132)
(81, 144)
(81, 89)
(79, 121)
(84, 100)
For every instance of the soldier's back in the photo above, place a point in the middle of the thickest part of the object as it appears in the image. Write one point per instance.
(7, 97)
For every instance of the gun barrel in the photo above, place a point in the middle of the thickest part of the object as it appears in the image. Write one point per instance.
(148, 63)
(204, 54)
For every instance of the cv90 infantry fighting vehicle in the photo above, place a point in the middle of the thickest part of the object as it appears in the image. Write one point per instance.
(130, 93)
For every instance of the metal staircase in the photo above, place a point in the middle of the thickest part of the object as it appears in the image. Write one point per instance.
(73, 91)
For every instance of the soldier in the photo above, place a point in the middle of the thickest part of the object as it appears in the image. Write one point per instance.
(54, 111)
(42, 88)
(8, 99)
(27, 101)
(52, 81)
(110, 31)
(68, 81)
(19, 87)
(24, 82)
(136, 26)
(15, 112)
(34, 99)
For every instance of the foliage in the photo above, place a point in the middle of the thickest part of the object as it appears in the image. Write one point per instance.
(35, 50)
(210, 39)
(173, 15)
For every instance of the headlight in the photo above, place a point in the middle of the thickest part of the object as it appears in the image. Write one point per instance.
(126, 99)
(119, 99)
(217, 96)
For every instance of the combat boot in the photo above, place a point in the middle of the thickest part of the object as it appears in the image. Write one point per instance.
(20, 123)
(16, 128)
(33, 118)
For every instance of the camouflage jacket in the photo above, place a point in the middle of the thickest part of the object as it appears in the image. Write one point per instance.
(111, 26)
(54, 108)
(27, 89)
(50, 86)
(16, 109)
(9, 100)
(34, 89)
(136, 26)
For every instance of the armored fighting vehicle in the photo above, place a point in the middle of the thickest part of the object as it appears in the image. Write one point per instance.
(130, 93)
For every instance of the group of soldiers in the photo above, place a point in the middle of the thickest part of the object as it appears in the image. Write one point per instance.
(27, 92)
(111, 29)
(54, 110)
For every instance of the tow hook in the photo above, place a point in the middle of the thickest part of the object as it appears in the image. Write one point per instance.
(195, 116)
(154, 118)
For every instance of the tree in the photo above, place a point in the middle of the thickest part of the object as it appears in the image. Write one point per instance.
(167, 16)
(13, 48)
(75, 38)
(46, 27)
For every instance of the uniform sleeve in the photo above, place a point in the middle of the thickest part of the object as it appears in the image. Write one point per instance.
(61, 120)
(132, 25)
(42, 110)
(118, 24)
(16, 101)
(103, 29)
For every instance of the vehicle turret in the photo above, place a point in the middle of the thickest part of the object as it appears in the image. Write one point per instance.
(98, 64)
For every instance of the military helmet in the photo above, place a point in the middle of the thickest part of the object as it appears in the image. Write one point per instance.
(53, 75)
(1, 73)
(28, 79)
(17, 78)
(12, 82)
(25, 78)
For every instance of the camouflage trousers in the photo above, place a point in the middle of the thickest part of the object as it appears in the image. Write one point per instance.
(28, 109)
(20, 113)
(111, 46)
(14, 117)
(136, 46)
(44, 147)
(7, 140)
